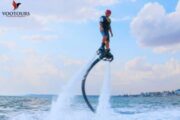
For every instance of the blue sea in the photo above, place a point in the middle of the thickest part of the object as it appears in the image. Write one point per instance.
(122, 108)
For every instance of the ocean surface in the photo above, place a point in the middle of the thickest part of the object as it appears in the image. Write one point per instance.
(121, 108)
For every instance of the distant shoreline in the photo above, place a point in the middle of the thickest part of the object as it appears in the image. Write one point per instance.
(143, 94)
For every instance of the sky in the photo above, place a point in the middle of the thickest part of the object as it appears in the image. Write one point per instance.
(40, 53)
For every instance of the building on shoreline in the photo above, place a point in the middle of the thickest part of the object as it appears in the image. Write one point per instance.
(155, 94)
(177, 92)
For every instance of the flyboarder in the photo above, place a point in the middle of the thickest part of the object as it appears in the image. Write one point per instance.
(105, 29)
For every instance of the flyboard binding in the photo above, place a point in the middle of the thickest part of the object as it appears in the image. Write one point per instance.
(105, 54)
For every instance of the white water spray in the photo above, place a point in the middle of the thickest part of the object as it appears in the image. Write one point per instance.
(62, 105)
(104, 104)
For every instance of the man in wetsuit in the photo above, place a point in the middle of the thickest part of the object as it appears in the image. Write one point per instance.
(105, 28)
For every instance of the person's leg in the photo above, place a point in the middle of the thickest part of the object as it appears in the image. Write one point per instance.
(107, 44)
(104, 37)
(107, 41)
(103, 44)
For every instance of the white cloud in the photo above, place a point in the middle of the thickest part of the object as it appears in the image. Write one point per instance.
(31, 72)
(3, 30)
(155, 28)
(172, 49)
(137, 64)
(8, 44)
(40, 37)
(137, 76)
(33, 67)
(67, 61)
(4, 58)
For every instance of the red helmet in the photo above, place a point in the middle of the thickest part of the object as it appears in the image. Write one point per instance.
(108, 12)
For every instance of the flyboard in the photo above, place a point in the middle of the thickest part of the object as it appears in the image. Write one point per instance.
(102, 55)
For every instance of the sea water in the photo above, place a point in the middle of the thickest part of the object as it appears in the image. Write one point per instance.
(124, 108)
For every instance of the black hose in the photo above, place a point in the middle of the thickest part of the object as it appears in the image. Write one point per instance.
(84, 82)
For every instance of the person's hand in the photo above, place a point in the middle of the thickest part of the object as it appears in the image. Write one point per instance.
(101, 29)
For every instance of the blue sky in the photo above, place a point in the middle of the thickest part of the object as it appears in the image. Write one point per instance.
(40, 53)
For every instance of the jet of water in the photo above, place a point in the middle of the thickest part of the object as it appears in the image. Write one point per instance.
(103, 107)
(62, 105)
